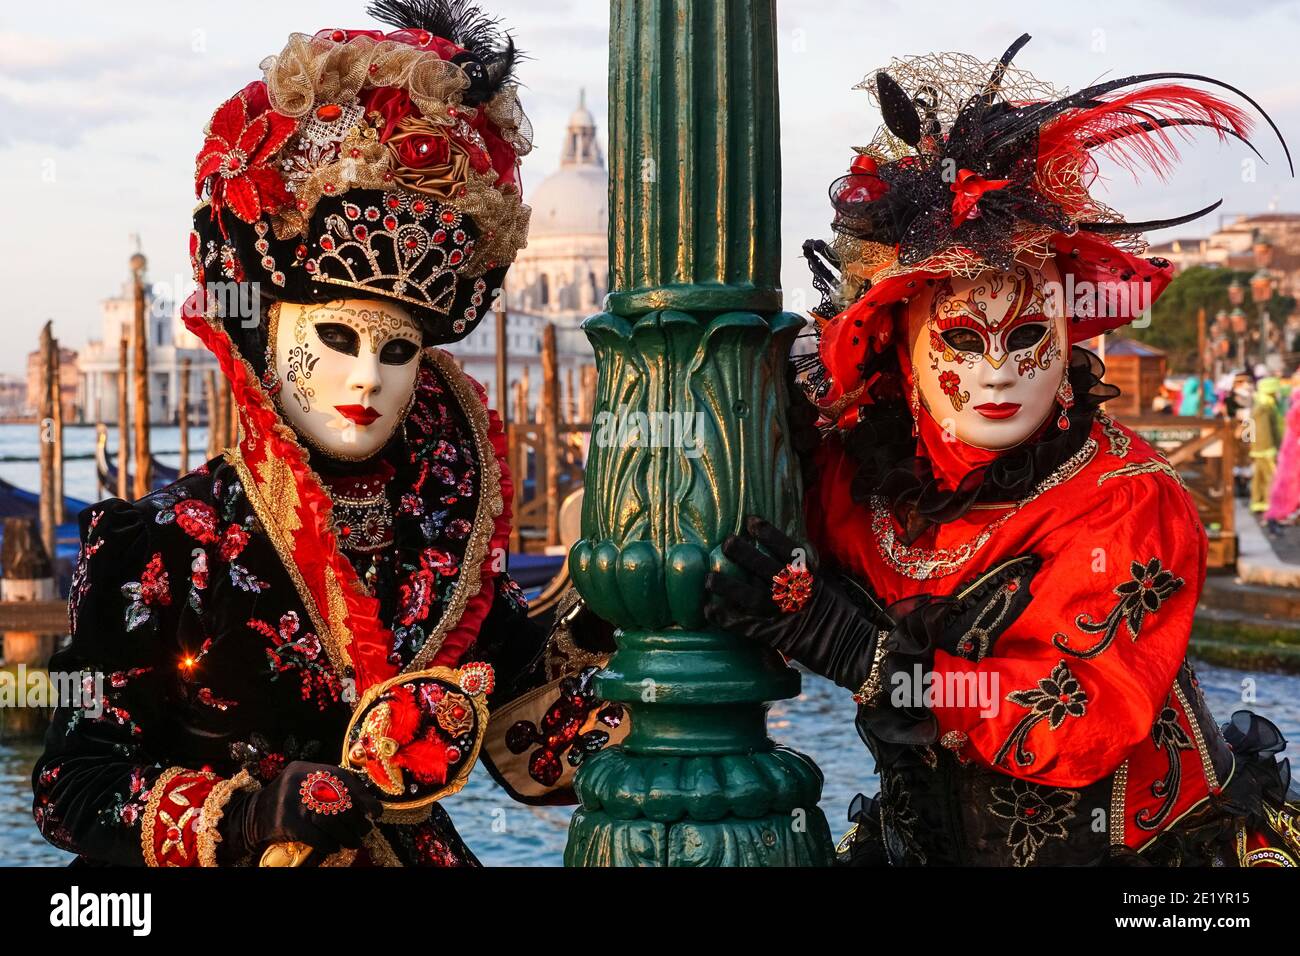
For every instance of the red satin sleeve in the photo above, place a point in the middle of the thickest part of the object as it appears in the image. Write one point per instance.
(1075, 681)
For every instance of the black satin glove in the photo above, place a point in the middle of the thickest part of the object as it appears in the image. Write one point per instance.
(279, 813)
(832, 634)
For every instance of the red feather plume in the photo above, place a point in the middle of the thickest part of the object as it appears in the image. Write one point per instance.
(425, 758)
(1134, 128)
(405, 714)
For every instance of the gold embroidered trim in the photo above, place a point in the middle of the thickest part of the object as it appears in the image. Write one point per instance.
(562, 655)
(214, 807)
(1261, 856)
(1118, 799)
(846, 841)
(339, 858)
(1285, 824)
(156, 794)
(490, 506)
(1207, 764)
(1120, 442)
(869, 692)
(336, 646)
(1155, 465)
(381, 851)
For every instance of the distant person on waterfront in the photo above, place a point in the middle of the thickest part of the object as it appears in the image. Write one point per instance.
(1197, 397)
(1266, 435)
(1284, 498)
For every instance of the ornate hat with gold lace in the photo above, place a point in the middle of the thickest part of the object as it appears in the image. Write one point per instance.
(372, 164)
(979, 164)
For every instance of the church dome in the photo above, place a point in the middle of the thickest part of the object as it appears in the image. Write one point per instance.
(574, 200)
(571, 202)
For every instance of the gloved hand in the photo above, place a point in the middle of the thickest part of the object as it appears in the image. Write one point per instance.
(828, 632)
(323, 806)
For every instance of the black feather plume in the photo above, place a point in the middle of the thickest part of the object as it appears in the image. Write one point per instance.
(1027, 121)
(994, 84)
(1147, 225)
(898, 110)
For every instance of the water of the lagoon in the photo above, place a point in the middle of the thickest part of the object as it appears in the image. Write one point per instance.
(819, 722)
(23, 441)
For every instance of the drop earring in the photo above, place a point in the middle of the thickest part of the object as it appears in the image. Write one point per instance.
(270, 380)
(1064, 397)
(914, 400)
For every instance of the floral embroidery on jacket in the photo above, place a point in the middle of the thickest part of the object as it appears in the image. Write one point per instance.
(292, 652)
(152, 590)
(1167, 734)
(1055, 698)
(196, 518)
(1148, 588)
(81, 576)
(126, 809)
(1037, 814)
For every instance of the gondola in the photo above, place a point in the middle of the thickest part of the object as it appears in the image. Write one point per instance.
(160, 475)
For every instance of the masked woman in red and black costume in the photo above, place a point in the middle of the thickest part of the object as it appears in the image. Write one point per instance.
(1003, 576)
(361, 205)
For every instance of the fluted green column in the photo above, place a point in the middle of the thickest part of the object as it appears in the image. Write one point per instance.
(690, 437)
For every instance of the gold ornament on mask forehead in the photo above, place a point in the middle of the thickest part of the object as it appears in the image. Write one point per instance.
(378, 324)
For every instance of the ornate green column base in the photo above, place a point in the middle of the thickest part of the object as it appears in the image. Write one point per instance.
(756, 809)
(697, 781)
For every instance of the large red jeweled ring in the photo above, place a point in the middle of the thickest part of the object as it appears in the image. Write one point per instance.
(322, 792)
(791, 588)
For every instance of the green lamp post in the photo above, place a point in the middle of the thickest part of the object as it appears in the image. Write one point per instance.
(689, 437)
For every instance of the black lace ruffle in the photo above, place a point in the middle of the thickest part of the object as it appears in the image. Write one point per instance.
(885, 449)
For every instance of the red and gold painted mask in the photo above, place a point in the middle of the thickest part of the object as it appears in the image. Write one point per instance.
(989, 354)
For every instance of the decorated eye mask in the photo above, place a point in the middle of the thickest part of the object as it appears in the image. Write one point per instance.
(347, 371)
(987, 355)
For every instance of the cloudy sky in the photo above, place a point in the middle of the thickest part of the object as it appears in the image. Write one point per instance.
(102, 108)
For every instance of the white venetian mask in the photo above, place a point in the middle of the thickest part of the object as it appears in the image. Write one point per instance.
(989, 354)
(347, 371)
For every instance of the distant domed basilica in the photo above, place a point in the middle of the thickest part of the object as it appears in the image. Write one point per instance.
(560, 276)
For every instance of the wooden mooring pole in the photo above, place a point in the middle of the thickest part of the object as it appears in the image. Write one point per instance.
(183, 416)
(123, 419)
(214, 413)
(28, 577)
(49, 502)
(140, 332)
(549, 416)
(503, 345)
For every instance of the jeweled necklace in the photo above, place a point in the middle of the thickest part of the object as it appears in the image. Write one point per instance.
(363, 515)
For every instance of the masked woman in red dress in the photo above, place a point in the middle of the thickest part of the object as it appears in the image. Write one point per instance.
(298, 641)
(1004, 576)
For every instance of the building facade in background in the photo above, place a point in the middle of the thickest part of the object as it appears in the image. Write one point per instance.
(560, 277)
(170, 343)
(70, 391)
(1268, 246)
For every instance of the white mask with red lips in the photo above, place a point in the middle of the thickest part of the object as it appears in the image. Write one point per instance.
(347, 370)
(989, 354)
